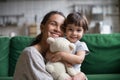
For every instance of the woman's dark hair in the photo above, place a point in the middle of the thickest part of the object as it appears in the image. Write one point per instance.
(76, 18)
(43, 22)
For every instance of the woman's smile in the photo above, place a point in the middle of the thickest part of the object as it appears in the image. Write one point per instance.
(55, 34)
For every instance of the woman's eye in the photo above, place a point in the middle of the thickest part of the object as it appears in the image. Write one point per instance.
(52, 23)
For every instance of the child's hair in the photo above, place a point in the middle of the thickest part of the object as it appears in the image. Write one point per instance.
(76, 18)
(43, 22)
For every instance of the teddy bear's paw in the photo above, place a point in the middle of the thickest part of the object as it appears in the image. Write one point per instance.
(49, 68)
(71, 71)
(64, 76)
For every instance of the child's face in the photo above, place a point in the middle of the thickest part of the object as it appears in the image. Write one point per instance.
(74, 33)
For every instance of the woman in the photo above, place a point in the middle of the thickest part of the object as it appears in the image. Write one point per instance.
(31, 63)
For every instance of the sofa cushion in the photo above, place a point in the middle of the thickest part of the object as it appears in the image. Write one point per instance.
(6, 78)
(4, 52)
(17, 44)
(103, 77)
(104, 54)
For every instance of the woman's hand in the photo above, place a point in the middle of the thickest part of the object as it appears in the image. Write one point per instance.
(49, 55)
(69, 78)
(80, 76)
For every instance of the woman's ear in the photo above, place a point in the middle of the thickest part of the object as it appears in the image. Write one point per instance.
(41, 27)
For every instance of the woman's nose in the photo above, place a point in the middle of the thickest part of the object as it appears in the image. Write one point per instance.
(58, 28)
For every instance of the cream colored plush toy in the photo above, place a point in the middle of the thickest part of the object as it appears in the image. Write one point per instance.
(57, 69)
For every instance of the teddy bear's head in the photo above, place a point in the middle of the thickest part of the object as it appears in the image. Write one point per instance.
(60, 44)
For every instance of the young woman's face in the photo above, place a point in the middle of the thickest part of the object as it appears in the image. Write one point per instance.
(52, 28)
(74, 33)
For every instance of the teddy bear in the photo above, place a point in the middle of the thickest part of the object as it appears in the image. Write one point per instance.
(57, 69)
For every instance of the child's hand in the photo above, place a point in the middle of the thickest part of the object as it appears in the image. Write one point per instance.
(54, 57)
(67, 64)
(57, 57)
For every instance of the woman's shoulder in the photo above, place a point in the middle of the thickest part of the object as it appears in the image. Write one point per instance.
(32, 52)
(29, 50)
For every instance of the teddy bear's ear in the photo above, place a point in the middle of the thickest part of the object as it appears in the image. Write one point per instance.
(50, 40)
(72, 46)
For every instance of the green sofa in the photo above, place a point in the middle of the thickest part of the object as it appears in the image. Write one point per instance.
(103, 62)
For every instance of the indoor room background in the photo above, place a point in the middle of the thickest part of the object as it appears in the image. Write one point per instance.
(22, 17)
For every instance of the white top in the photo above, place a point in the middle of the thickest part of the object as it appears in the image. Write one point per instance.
(31, 66)
(80, 46)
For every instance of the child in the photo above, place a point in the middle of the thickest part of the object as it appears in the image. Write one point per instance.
(74, 28)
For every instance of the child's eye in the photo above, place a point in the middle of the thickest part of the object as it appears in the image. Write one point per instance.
(78, 30)
(70, 29)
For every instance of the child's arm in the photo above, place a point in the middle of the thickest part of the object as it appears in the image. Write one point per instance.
(74, 59)
(77, 58)
(70, 58)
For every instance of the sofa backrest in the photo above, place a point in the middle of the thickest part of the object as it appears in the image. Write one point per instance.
(17, 44)
(4, 55)
(104, 56)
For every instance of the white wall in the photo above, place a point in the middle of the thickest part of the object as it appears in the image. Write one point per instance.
(40, 8)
